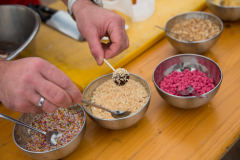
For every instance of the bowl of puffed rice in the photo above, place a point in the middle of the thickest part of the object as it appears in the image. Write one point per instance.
(134, 96)
(227, 10)
(193, 32)
(176, 73)
(71, 122)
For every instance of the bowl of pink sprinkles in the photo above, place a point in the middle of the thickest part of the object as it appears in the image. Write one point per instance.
(178, 72)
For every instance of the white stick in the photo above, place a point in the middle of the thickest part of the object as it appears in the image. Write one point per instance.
(109, 64)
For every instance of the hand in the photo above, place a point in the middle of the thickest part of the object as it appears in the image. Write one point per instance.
(95, 22)
(23, 82)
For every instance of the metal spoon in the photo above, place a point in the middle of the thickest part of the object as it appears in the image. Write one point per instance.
(115, 114)
(191, 90)
(51, 136)
(173, 33)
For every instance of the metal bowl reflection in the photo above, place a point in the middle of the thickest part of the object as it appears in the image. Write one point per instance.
(18, 27)
(119, 123)
(196, 47)
(226, 13)
(183, 61)
(20, 137)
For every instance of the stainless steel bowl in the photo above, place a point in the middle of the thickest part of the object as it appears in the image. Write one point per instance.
(18, 27)
(20, 136)
(196, 47)
(182, 61)
(120, 123)
(225, 13)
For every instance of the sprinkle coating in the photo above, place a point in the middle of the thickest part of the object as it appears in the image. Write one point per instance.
(65, 120)
(120, 76)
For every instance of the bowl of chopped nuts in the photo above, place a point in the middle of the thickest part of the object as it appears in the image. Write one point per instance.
(178, 72)
(227, 10)
(133, 96)
(71, 122)
(193, 32)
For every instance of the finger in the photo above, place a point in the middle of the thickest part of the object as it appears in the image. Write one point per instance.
(95, 47)
(118, 42)
(26, 107)
(57, 77)
(53, 93)
(47, 106)
(106, 46)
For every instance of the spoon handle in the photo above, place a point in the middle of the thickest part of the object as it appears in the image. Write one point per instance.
(199, 95)
(20, 123)
(95, 105)
(173, 33)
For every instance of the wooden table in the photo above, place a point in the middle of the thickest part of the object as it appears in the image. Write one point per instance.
(165, 132)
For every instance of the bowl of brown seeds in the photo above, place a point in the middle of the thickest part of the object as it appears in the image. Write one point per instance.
(133, 96)
(193, 32)
(227, 10)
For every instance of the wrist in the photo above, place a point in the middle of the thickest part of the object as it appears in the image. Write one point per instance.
(2, 59)
(79, 5)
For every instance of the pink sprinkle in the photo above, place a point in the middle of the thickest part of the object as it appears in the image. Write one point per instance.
(180, 80)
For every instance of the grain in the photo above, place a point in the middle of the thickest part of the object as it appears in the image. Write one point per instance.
(230, 3)
(130, 97)
(195, 29)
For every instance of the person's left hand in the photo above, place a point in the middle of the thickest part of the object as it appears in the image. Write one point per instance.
(95, 22)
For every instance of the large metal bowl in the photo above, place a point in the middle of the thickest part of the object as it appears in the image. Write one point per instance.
(120, 123)
(182, 61)
(196, 47)
(226, 13)
(18, 27)
(20, 136)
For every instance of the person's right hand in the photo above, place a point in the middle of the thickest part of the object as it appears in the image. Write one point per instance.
(23, 82)
(94, 23)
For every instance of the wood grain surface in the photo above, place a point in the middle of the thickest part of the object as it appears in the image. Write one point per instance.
(165, 132)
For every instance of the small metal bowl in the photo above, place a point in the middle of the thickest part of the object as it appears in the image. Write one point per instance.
(18, 27)
(119, 123)
(20, 136)
(196, 47)
(181, 62)
(226, 13)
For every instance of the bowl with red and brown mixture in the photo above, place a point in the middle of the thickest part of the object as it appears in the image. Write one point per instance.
(134, 96)
(193, 32)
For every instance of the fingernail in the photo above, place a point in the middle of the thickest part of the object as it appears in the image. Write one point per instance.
(97, 59)
(100, 61)
(79, 99)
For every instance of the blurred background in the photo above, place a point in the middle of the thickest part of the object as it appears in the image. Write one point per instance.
(47, 2)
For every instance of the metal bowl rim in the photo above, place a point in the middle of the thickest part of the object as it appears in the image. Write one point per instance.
(198, 12)
(84, 124)
(123, 117)
(225, 7)
(187, 54)
(33, 34)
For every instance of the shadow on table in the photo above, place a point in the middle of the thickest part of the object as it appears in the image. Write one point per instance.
(233, 153)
